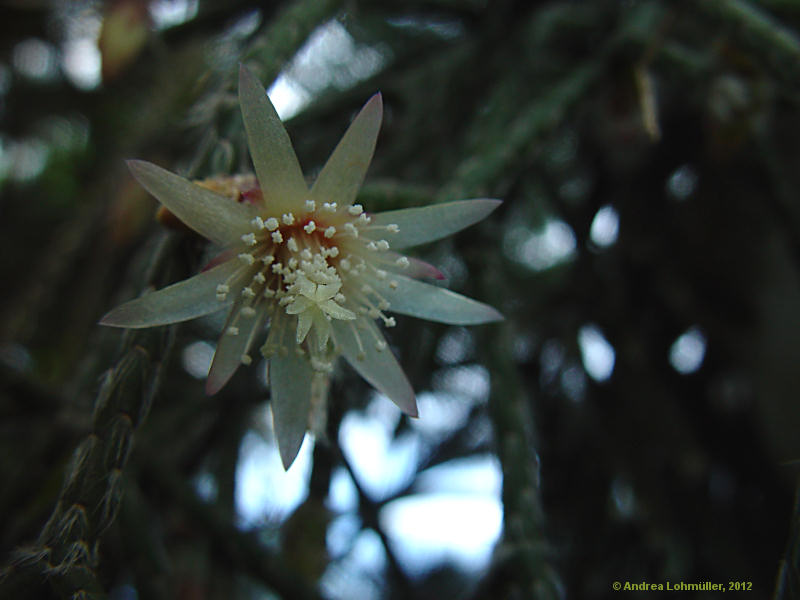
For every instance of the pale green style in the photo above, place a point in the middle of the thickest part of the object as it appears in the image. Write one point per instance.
(309, 264)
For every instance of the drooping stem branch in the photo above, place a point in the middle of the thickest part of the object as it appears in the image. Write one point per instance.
(65, 555)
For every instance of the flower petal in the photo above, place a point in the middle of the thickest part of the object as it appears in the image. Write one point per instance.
(344, 172)
(212, 215)
(290, 383)
(300, 304)
(426, 301)
(231, 348)
(337, 311)
(414, 267)
(356, 340)
(429, 223)
(187, 299)
(304, 323)
(278, 171)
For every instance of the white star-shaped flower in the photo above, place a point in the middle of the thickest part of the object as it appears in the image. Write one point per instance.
(310, 262)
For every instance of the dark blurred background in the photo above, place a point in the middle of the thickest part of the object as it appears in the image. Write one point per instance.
(634, 419)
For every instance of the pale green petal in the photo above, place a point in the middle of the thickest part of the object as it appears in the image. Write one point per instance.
(380, 369)
(342, 175)
(187, 299)
(299, 304)
(304, 322)
(304, 286)
(322, 330)
(290, 383)
(414, 267)
(231, 348)
(220, 219)
(337, 311)
(276, 165)
(326, 291)
(430, 223)
(433, 303)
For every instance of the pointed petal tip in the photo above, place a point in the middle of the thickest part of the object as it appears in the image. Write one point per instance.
(248, 79)
(124, 316)
(109, 321)
(215, 382)
(289, 454)
(375, 103)
(491, 315)
(412, 411)
(245, 75)
(498, 317)
(490, 204)
(495, 201)
(136, 166)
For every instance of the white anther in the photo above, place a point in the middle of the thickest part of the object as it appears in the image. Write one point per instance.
(292, 244)
(268, 259)
(364, 219)
(393, 284)
(393, 227)
(247, 259)
(310, 226)
(223, 289)
(271, 223)
(249, 239)
(339, 298)
(277, 268)
(311, 206)
(383, 245)
(246, 359)
(345, 264)
(232, 330)
(390, 322)
(306, 254)
(380, 273)
(380, 345)
(402, 262)
(277, 237)
(355, 210)
(259, 277)
(333, 251)
(329, 206)
(248, 292)
(288, 218)
(248, 311)
(351, 229)
(330, 232)
(268, 293)
(258, 222)
(372, 246)
(293, 263)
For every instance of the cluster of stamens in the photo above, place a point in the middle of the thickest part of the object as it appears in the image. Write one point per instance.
(307, 270)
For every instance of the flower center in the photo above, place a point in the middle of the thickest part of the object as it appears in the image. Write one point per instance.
(306, 270)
